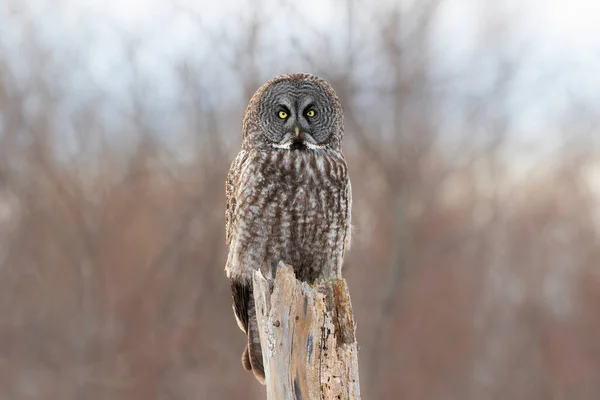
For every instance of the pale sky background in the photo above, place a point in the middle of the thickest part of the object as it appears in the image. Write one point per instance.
(567, 33)
(563, 35)
(557, 43)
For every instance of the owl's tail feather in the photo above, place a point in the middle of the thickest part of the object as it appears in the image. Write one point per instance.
(253, 351)
(246, 359)
(245, 314)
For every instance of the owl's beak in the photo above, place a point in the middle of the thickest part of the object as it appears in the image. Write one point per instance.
(297, 130)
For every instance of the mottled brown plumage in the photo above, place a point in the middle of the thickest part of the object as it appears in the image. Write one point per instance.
(288, 194)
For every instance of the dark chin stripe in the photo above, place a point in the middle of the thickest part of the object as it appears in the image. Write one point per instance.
(298, 146)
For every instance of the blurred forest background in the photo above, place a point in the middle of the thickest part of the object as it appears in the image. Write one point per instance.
(472, 138)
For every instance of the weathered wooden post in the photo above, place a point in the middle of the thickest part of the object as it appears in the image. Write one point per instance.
(307, 336)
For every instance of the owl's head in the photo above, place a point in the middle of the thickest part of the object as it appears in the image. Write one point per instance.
(296, 112)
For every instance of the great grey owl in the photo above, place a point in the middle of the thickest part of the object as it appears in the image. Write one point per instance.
(288, 194)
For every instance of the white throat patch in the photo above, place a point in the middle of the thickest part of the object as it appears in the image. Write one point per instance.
(288, 145)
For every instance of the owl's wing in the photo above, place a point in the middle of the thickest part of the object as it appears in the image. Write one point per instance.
(348, 211)
(231, 186)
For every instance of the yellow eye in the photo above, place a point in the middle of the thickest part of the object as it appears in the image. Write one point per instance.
(283, 115)
(310, 113)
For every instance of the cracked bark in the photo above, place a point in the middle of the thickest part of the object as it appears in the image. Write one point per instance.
(308, 337)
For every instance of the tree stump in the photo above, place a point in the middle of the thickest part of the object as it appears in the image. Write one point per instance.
(307, 334)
